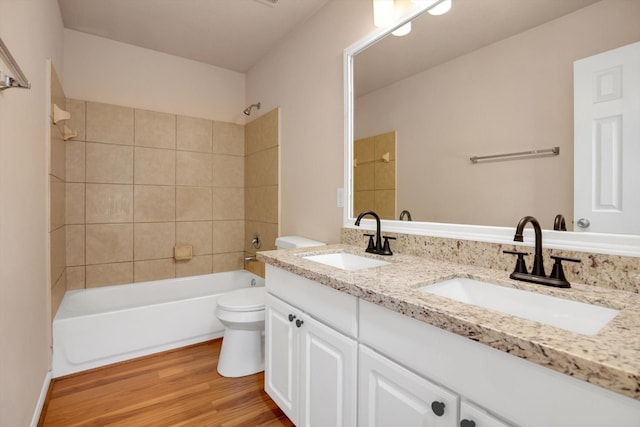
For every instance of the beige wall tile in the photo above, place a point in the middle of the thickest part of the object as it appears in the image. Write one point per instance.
(74, 203)
(108, 203)
(154, 203)
(268, 233)
(363, 149)
(228, 203)
(58, 203)
(156, 269)
(75, 278)
(193, 204)
(58, 155)
(228, 262)
(363, 201)
(385, 176)
(228, 138)
(75, 245)
(57, 293)
(198, 234)
(385, 143)
(262, 204)
(262, 168)
(78, 110)
(195, 266)
(74, 163)
(109, 123)
(385, 203)
(194, 134)
(228, 236)
(363, 177)
(252, 137)
(269, 128)
(58, 253)
(109, 163)
(109, 274)
(193, 168)
(155, 166)
(228, 171)
(155, 129)
(154, 240)
(109, 243)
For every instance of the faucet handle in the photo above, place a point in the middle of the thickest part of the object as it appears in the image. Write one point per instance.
(557, 273)
(521, 266)
(386, 249)
(370, 246)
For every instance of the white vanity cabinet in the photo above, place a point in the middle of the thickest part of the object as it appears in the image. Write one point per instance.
(310, 367)
(390, 395)
(474, 416)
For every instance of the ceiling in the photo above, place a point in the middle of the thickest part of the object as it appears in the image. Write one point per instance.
(232, 34)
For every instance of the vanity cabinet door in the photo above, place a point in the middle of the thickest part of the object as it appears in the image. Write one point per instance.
(281, 355)
(328, 369)
(392, 396)
(474, 416)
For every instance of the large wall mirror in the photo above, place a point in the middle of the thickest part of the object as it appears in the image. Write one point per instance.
(490, 77)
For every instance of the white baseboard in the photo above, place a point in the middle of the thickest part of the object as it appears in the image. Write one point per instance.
(41, 400)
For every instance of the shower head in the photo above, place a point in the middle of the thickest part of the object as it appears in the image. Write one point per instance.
(247, 110)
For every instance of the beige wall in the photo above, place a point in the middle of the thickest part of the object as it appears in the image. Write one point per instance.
(103, 70)
(140, 182)
(515, 95)
(303, 76)
(32, 29)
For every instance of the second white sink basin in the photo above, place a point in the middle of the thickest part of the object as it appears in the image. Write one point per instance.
(570, 315)
(346, 261)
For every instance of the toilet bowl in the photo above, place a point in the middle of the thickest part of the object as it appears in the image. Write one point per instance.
(242, 314)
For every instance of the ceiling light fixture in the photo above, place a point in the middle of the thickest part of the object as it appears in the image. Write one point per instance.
(384, 15)
(441, 8)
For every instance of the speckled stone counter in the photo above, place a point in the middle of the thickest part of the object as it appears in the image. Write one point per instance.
(610, 359)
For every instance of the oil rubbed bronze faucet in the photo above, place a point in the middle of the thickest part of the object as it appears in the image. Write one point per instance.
(377, 248)
(537, 275)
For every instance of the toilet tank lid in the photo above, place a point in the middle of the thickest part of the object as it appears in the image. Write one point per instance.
(289, 242)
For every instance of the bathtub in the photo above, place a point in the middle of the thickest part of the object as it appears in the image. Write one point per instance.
(100, 326)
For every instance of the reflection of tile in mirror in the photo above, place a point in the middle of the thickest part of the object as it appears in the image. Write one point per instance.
(362, 201)
(363, 149)
(385, 203)
(385, 143)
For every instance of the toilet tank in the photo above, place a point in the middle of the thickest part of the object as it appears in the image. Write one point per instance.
(290, 242)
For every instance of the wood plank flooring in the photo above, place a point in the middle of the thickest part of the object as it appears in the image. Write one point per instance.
(176, 388)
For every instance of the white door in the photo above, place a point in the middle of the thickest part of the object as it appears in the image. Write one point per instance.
(328, 375)
(391, 396)
(474, 416)
(281, 355)
(607, 142)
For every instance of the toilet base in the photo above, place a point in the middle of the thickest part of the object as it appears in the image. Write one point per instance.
(242, 353)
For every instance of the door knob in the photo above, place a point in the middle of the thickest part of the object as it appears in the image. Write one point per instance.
(291, 317)
(583, 223)
(438, 408)
(299, 323)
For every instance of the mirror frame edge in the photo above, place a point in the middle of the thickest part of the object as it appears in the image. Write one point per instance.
(601, 243)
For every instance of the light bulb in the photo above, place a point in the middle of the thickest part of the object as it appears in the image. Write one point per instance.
(441, 8)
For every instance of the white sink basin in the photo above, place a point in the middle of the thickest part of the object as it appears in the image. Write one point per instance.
(565, 314)
(346, 261)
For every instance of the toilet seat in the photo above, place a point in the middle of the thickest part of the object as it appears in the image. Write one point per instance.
(243, 300)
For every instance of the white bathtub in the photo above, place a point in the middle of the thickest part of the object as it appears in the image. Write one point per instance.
(96, 327)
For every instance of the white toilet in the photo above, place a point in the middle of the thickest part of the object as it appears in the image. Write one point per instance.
(242, 314)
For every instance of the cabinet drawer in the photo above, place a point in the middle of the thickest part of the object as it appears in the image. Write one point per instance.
(334, 308)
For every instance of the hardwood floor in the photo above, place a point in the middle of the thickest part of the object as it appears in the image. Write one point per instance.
(176, 388)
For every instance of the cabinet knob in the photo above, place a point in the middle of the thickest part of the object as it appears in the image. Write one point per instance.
(438, 408)
(299, 323)
(467, 423)
(291, 317)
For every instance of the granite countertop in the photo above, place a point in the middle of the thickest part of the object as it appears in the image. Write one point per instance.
(610, 358)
